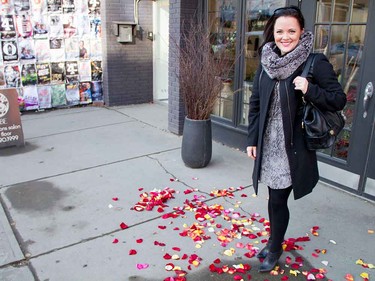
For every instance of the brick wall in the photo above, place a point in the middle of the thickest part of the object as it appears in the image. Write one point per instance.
(179, 11)
(127, 68)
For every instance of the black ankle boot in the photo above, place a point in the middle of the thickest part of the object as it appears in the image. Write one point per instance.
(263, 253)
(270, 261)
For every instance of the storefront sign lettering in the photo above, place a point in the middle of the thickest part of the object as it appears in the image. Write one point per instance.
(10, 122)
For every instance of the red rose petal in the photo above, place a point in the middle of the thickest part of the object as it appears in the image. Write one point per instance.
(162, 227)
(115, 198)
(217, 261)
(132, 252)
(167, 256)
(139, 241)
(176, 249)
(284, 278)
(123, 226)
(115, 241)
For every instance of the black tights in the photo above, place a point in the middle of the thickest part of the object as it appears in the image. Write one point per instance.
(279, 216)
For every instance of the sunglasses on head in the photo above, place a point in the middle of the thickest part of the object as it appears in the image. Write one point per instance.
(286, 9)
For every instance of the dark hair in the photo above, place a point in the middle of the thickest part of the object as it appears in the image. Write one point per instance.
(290, 11)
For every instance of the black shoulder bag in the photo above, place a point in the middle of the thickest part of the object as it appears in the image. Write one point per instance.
(320, 127)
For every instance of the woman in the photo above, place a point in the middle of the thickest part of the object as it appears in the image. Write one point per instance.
(275, 136)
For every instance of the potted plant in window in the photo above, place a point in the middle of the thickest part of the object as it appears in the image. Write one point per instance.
(204, 67)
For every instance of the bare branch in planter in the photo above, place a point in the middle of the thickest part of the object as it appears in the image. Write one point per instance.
(202, 71)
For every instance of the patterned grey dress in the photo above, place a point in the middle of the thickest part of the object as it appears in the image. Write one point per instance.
(275, 170)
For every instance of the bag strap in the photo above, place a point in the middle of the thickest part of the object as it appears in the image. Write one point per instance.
(308, 64)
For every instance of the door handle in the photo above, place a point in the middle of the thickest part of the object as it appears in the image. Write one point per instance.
(369, 90)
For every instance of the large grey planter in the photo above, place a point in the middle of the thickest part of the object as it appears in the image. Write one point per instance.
(196, 150)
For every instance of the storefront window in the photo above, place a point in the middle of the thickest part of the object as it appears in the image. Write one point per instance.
(257, 14)
(223, 25)
(342, 42)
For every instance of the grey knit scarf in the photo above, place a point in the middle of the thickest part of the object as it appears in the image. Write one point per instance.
(281, 67)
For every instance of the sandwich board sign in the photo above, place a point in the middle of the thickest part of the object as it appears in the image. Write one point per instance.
(11, 133)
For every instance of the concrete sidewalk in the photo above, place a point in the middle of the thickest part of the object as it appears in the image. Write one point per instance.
(68, 201)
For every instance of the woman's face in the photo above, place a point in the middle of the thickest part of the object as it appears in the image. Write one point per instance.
(287, 33)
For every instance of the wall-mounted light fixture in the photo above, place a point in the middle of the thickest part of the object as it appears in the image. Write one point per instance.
(124, 31)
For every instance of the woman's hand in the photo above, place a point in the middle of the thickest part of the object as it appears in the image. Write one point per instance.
(301, 83)
(252, 152)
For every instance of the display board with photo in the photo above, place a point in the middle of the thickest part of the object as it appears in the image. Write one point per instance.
(51, 51)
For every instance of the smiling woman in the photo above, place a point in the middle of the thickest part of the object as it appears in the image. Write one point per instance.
(287, 33)
(275, 136)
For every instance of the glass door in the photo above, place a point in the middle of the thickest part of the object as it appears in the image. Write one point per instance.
(343, 32)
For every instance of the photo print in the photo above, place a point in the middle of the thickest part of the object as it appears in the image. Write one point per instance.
(24, 26)
(40, 30)
(42, 50)
(44, 97)
(21, 6)
(56, 26)
(9, 50)
(58, 95)
(57, 72)
(44, 73)
(12, 76)
(85, 93)
(68, 6)
(7, 27)
(2, 78)
(30, 97)
(72, 94)
(28, 74)
(71, 72)
(96, 71)
(54, 5)
(27, 50)
(57, 50)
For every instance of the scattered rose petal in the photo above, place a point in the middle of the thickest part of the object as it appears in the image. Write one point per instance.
(311, 277)
(333, 242)
(115, 198)
(167, 256)
(365, 275)
(123, 226)
(288, 260)
(325, 263)
(139, 241)
(169, 267)
(285, 278)
(176, 249)
(349, 277)
(175, 257)
(115, 241)
(110, 206)
(132, 252)
(162, 227)
(141, 266)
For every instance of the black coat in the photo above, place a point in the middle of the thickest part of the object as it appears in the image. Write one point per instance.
(323, 90)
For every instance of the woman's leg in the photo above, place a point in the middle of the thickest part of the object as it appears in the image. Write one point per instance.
(264, 252)
(279, 216)
(279, 219)
(270, 211)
